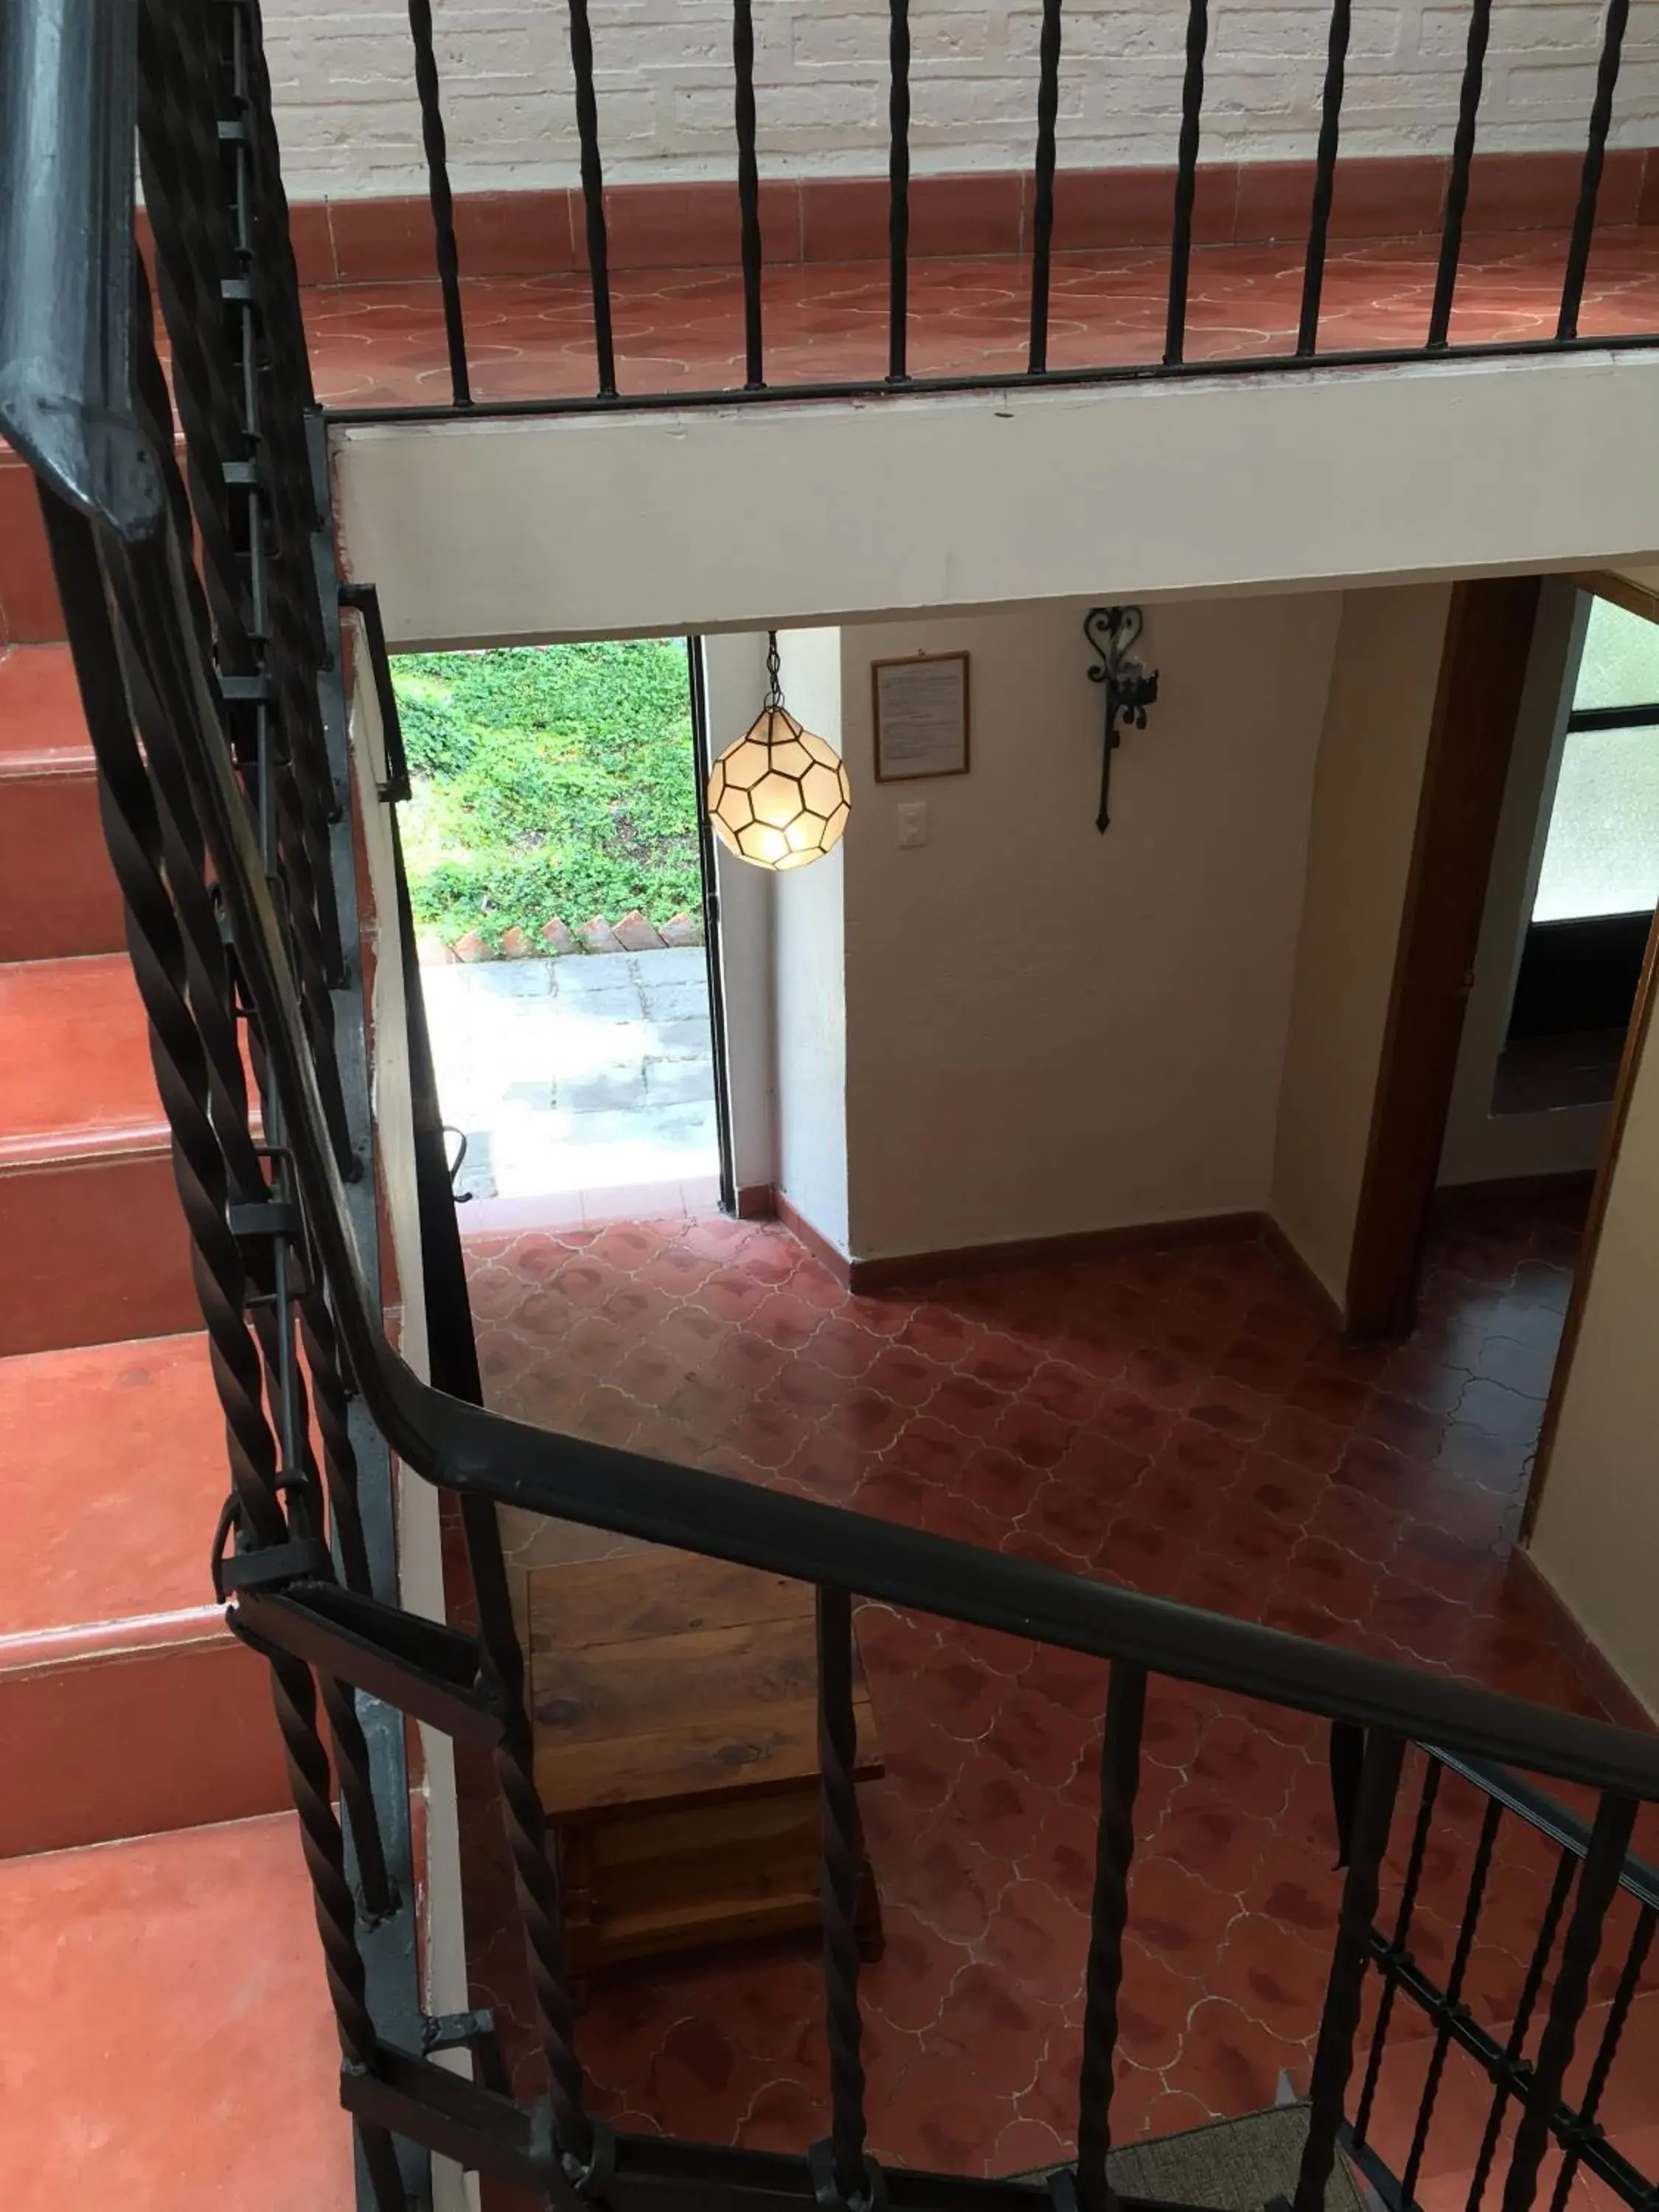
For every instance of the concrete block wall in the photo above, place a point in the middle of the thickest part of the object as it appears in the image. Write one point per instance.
(351, 127)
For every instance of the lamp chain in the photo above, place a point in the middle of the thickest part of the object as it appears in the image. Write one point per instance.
(773, 680)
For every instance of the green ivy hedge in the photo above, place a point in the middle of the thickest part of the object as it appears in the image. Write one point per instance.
(548, 780)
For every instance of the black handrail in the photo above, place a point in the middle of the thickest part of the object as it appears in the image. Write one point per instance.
(67, 118)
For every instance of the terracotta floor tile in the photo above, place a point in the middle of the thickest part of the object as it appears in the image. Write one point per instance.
(176, 2024)
(531, 337)
(1339, 1492)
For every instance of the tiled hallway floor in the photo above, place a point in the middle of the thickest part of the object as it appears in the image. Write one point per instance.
(1176, 1420)
(531, 337)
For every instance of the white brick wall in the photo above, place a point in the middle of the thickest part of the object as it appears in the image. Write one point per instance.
(351, 125)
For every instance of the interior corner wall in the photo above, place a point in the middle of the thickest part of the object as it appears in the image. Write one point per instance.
(734, 668)
(1597, 1535)
(1480, 1145)
(808, 973)
(1050, 1029)
(1367, 786)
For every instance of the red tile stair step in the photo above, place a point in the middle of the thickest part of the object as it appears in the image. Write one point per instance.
(150, 1878)
(125, 1706)
(89, 1216)
(58, 893)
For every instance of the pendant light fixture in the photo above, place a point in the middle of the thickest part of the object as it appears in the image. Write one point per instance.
(778, 795)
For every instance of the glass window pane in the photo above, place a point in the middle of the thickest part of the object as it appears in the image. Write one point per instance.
(1601, 853)
(1621, 666)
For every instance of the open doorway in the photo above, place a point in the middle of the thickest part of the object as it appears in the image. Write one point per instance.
(1593, 876)
(557, 861)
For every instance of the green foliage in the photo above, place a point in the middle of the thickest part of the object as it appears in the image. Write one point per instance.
(554, 780)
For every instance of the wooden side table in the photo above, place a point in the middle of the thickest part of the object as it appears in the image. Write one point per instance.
(674, 1701)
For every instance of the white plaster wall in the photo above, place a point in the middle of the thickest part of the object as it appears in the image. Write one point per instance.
(1481, 1146)
(1050, 1029)
(351, 125)
(1367, 788)
(808, 973)
(734, 518)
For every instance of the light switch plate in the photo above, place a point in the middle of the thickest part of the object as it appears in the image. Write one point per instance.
(913, 821)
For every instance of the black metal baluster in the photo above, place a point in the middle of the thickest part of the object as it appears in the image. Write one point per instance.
(1490, 1822)
(1186, 191)
(1319, 222)
(1043, 206)
(743, 62)
(598, 254)
(1340, 2023)
(1598, 1884)
(841, 2167)
(584, 2144)
(1589, 183)
(1402, 1928)
(1537, 1966)
(1114, 1844)
(898, 188)
(1457, 187)
(441, 197)
(1618, 2014)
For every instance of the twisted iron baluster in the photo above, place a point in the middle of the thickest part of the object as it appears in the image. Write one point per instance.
(1457, 185)
(1589, 182)
(1340, 2023)
(584, 2144)
(535, 1878)
(1397, 1950)
(195, 253)
(205, 973)
(1114, 1844)
(155, 941)
(1598, 1884)
(840, 1872)
(1489, 1824)
(1618, 2014)
(1510, 2066)
(1319, 219)
(1186, 191)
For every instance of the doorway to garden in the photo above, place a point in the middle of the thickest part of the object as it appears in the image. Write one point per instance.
(558, 863)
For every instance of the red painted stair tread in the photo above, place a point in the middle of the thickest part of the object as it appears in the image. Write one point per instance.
(41, 724)
(111, 1469)
(75, 1071)
(176, 2046)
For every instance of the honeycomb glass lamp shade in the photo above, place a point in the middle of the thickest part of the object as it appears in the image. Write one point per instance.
(778, 795)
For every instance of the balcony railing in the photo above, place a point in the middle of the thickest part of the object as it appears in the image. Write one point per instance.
(201, 618)
(613, 385)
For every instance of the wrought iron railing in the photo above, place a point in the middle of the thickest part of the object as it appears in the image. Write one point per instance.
(1527, 2088)
(1304, 352)
(204, 624)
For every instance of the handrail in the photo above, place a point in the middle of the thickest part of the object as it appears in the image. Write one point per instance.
(66, 131)
(485, 1454)
(1557, 1822)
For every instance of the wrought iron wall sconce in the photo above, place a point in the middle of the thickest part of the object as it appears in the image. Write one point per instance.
(1131, 688)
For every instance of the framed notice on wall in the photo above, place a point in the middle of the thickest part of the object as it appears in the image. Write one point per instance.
(922, 716)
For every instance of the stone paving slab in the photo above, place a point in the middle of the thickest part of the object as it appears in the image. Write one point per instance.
(577, 1072)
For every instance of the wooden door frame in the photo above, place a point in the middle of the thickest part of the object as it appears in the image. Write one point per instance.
(1483, 670)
